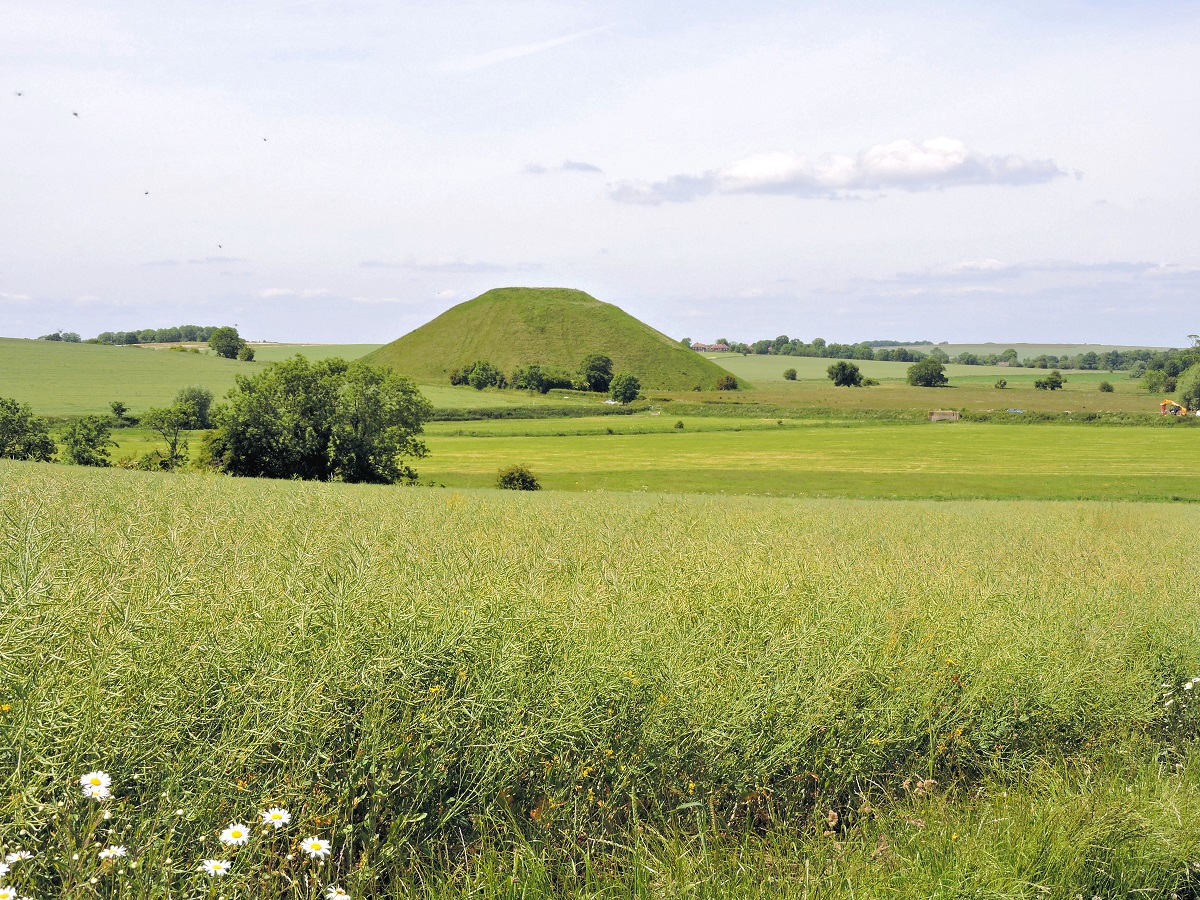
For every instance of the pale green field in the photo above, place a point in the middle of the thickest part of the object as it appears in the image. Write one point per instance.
(756, 368)
(490, 694)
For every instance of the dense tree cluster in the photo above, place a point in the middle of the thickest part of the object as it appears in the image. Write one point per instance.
(23, 435)
(69, 337)
(595, 374)
(175, 335)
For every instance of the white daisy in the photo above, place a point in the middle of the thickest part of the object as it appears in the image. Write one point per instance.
(277, 816)
(235, 835)
(333, 892)
(114, 851)
(215, 867)
(8, 893)
(18, 856)
(3, 869)
(315, 847)
(96, 785)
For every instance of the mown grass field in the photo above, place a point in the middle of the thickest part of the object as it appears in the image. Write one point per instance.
(534, 695)
(817, 458)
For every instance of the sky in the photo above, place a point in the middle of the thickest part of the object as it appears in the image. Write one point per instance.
(345, 171)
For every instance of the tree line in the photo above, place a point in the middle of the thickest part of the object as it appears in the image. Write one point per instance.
(595, 374)
(328, 420)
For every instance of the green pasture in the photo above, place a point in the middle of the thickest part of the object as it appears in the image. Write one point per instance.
(941, 460)
(494, 694)
(276, 352)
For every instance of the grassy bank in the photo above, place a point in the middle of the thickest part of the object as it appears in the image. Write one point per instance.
(648, 695)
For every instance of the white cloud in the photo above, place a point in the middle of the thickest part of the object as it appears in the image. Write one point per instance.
(930, 165)
(447, 294)
(505, 54)
(568, 165)
(268, 293)
(443, 264)
(14, 298)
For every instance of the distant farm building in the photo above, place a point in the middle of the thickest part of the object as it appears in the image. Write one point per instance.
(711, 348)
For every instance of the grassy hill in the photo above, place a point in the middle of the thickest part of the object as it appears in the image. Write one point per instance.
(554, 327)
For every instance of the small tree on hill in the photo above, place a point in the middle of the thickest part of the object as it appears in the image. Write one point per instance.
(727, 383)
(789, 374)
(625, 388)
(929, 372)
(483, 375)
(85, 441)
(844, 374)
(517, 478)
(246, 353)
(121, 413)
(596, 371)
(22, 435)
(225, 341)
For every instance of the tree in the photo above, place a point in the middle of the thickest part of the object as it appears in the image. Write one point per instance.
(625, 388)
(85, 442)
(727, 383)
(483, 375)
(686, 342)
(517, 478)
(1106, 387)
(327, 420)
(171, 422)
(1001, 384)
(596, 371)
(121, 413)
(225, 341)
(246, 353)
(929, 372)
(22, 435)
(1052, 382)
(1188, 386)
(201, 399)
(789, 374)
(844, 374)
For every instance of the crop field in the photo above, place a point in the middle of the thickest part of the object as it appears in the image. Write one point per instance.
(818, 458)
(533, 695)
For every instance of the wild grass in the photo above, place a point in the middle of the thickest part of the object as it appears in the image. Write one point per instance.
(479, 693)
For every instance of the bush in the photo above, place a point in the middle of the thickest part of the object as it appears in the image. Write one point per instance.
(86, 441)
(625, 388)
(327, 420)
(789, 374)
(679, 424)
(479, 375)
(517, 478)
(929, 372)
(1106, 387)
(1052, 382)
(1001, 384)
(1189, 387)
(870, 382)
(727, 383)
(200, 398)
(23, 436)
(844, 374)
(246, 354)
(596, 373)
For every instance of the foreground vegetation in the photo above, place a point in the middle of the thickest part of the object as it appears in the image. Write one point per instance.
(552, 694)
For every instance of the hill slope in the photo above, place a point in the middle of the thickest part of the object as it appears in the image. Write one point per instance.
(554, 327)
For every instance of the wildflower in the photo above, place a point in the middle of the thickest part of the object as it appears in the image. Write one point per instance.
(8, 893)
(235, 835)
(3, 869)
(96, 785)
(277, 816)
(333, 892)
(114, 851)
(18, 856)
(215, 867)
(315, 847)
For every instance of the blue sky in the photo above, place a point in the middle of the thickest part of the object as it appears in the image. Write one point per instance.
(344, 171)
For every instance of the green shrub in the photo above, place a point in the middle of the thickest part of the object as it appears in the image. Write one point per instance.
(85, 441)
(1106, 387)
(22, 435)
(1052, 382)
(1001, 384)
(727, 383)
(929, 372)
(517, 478)
(246, 353)
(625, 388)
(845, 374)
(789, 374)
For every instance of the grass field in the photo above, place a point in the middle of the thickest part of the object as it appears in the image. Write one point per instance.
(514, 695)
(805, 458)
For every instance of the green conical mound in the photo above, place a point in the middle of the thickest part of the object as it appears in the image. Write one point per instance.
(552, 327)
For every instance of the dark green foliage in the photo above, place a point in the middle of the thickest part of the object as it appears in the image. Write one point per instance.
(170, 422)
(1001, 384)
(845, 374)
(246, 354)
(225, 341)
(679, 424)
(1106, 387)
(23, 435)
(596, 371)
(929, 372)
(69, 337)
(121, 413)
(479, 375)
(535, 378)
(789, 374)
(870, 382)
(200, 398)
(173, 335)
(1052, 382)
(625, 388)
(1188, 386)
(517, 478)
(328, 421)
(85, 441)
(727, 383)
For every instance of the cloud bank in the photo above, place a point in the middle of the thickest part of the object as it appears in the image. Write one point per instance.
(930, 165)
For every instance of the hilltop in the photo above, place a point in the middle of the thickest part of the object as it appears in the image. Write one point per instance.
(554, 327)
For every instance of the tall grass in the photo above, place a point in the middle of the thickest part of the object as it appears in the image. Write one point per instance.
(647, 695)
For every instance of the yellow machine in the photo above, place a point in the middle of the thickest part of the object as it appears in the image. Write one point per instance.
(1171, 408)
